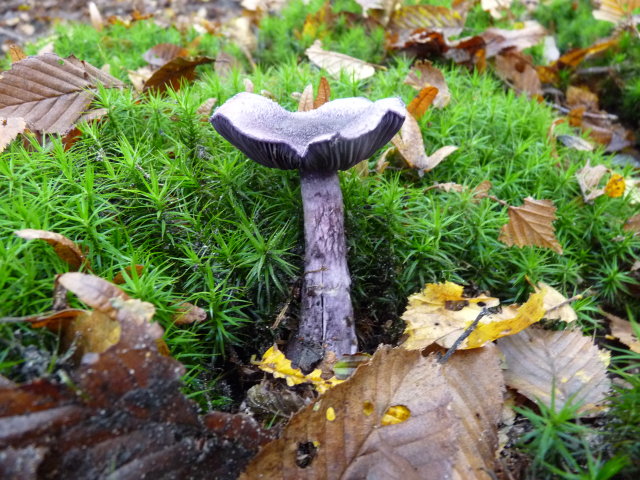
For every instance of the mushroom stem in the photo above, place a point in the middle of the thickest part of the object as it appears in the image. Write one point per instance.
(326, 313)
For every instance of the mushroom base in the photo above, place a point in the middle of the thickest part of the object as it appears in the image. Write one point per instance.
(326, 313)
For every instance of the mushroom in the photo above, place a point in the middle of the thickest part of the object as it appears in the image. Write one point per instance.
(318, 143)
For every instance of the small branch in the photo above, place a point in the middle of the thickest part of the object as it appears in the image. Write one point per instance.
(565, 302)
(496, 199)
(597, 116)
(463, 337)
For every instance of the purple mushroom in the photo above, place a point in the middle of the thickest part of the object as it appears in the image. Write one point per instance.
(319, 142)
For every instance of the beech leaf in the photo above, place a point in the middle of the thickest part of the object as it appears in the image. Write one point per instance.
(173, 73)
(344, 432)
(67, 250)
(50, 93)
(335, 63)
(564, 366)
(517, 70)
(531, 225)
(188, 313)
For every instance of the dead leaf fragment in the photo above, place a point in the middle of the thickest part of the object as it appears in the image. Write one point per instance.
(188, 313)
(556, 305)
(633, 224)
(16, 53)
(424, 74)
(355, 444)
(531, 225)
(305, 103)
(10, 128)
(496, 7)
(67, 250)
(588, 178)
(173, 73)
(335, 63)
(204, 110)
(517, 70)
(623, 330)
(615, 11)
(96, 18)
(50, 93)
(163, 53)
(421, 102)
(90, 332)
(447, 21)
(563, 364)
(324, 93)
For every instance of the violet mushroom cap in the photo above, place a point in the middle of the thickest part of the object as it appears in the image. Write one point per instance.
(319, 142)
(335, 136)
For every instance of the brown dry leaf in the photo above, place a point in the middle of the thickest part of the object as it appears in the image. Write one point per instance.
(615, 11)
(565, 361)
(440, 314)
(335, 63)
(498, 39)
(531, 225)
(139, 77)
(50, 92)
(623, 331)
(424, 74)
(556, 305)
(119, 279)
(324, 93)
(482, 190)
(410, 146)
(122, 414)
(517, 70)
(96, 18)
(163, 53)
(422, 101)
(188, 313)
(633, 224)
(475, 381)
(64, 248)
(10, 128)
(174, 73)
(588, 178)
(582, 97)
(447, 187)
(204, 110)
(94, 291)
(430, 17)
(355, 444)
(16, 53)
(305, 103)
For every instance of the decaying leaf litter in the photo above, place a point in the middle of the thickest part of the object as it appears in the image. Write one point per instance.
(392, 417)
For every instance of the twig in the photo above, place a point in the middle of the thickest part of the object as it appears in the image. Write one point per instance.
(463, 337)
(598, 116)
(563, 303)
(496, 199)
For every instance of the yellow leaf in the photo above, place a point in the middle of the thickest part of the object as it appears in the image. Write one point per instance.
(440, 314)
(615, 186)
(395, 414)
(556, 305)
(274, 362)
(531, 225)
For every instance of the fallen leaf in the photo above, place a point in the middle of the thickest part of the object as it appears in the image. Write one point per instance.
(424, 74)
(588, 178)
(64, 248)
(556, 305)
(496, 7)
(204, 110)
(188, 313)
(582, 97)
(173, 73)
(16, 53)
(431, 17)
(50, 93)
(335, 63)
(121, 413)
(324, 93)
(475, 380)
(615, 11)
(421, 102)
(517, 70)
(270, 399)
(163, 53)
(225, 64)
(96, 292)
(623, 330)
(615, 186)
(139, 77)
(576, 143)
(632, 224)
(305, 103)
(531, 225)
(90, 332)
(274, 362)
(10, 128)
(441, 313)
(556, 366)
(96, 18)
(119, 279)
(498, 39)
(356, 444)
